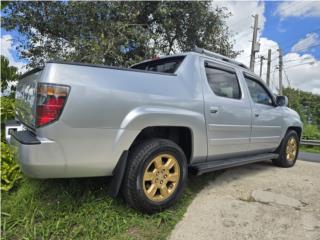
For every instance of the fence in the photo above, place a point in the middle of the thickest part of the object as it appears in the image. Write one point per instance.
(310, 142)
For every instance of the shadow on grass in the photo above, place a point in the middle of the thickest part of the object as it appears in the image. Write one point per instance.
(96, 187)
(81, 209)
(78, 190)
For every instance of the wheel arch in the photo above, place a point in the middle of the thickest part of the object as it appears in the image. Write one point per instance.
(162, 119)
(297, 129)
(181, 135)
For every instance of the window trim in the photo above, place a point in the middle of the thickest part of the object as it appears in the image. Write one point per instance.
(163, 60)
(245, 75)
(208, 64)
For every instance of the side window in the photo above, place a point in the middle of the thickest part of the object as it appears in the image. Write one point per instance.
(223, 83)
(258, 92)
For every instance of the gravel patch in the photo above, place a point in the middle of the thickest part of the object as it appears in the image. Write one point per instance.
(258, 201)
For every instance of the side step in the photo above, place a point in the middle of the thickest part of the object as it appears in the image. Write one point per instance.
(214, 165)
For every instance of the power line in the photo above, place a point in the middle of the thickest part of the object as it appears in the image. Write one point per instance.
(310, 47)
(301, 59)
(285, 74)
(300, 64)
(287, 46)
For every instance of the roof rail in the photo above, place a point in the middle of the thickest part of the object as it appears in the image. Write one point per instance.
(218, 56)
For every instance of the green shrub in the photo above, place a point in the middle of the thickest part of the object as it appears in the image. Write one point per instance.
(7, 112)
(7, 108)
(311, 132)
(10, 171)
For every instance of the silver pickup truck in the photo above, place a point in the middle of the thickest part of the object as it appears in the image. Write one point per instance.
(149, 125)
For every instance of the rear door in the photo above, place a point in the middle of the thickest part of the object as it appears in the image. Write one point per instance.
(227, 111)
(267, 118)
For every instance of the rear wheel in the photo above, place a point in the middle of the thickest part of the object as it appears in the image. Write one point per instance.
(288, 151)
(155, 175)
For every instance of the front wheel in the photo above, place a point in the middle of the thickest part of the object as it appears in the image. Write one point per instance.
(288, 151)
(155, 175)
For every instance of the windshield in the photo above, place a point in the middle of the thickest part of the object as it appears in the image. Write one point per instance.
(165, 65)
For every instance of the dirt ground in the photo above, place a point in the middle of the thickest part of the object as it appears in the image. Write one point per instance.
(256, 201)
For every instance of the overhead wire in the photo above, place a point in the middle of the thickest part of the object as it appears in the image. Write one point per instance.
(285, 74)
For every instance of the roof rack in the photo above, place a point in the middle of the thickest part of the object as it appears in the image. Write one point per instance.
(218, 56)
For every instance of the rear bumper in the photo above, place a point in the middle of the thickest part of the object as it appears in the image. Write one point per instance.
(58, 151)
(37, 157)
(39, 160)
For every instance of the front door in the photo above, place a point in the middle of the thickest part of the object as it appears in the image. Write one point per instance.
(267, 118)
(227, 112)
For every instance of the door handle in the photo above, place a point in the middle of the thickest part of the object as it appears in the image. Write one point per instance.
(213, 109)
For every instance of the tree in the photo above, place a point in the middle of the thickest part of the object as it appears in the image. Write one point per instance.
(116, 33)
(306, 104)
(8, 73)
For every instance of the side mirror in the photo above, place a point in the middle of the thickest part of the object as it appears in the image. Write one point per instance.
(282, 101)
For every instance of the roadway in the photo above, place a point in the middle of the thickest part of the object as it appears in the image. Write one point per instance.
(311, 157)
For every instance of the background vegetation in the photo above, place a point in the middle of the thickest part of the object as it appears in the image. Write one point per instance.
(306, 104)
(10, 172)
(8, 74)
(308, 107)
(115, 33)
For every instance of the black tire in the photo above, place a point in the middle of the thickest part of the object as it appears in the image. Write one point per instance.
(138, 161)
(283, 160)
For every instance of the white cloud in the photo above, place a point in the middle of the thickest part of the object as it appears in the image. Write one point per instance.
(300, 70)
(303, 72)
(7, 47)
(301, 75)
(298, 9)
(239, 24)
(303, 44)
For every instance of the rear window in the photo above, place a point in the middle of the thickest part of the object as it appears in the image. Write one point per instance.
(166, 65)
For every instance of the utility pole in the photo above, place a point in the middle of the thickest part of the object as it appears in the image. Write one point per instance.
(254, 44)
(268, 67)
(261, 63)
(280, 71)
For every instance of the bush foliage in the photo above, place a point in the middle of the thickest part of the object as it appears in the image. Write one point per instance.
(10, 171)
(7, 109)
(311, 132)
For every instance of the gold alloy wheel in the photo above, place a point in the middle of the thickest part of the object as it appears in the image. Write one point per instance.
(291, 149)
(161, 177)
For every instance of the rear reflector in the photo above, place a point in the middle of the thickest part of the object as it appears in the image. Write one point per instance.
(50, 102)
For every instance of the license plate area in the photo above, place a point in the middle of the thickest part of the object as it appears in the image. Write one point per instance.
(13, 126)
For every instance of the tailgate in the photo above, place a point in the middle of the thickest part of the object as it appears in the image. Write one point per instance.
(26, 93)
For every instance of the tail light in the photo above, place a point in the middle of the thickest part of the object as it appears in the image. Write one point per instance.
(51, 99)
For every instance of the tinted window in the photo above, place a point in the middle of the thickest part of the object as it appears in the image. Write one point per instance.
(223, 83)
(258, 93)
(166, 65)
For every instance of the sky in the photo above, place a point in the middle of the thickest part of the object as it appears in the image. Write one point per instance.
(293, 26)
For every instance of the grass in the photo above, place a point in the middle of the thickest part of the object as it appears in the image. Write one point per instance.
(81, 209)
(310, 149)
